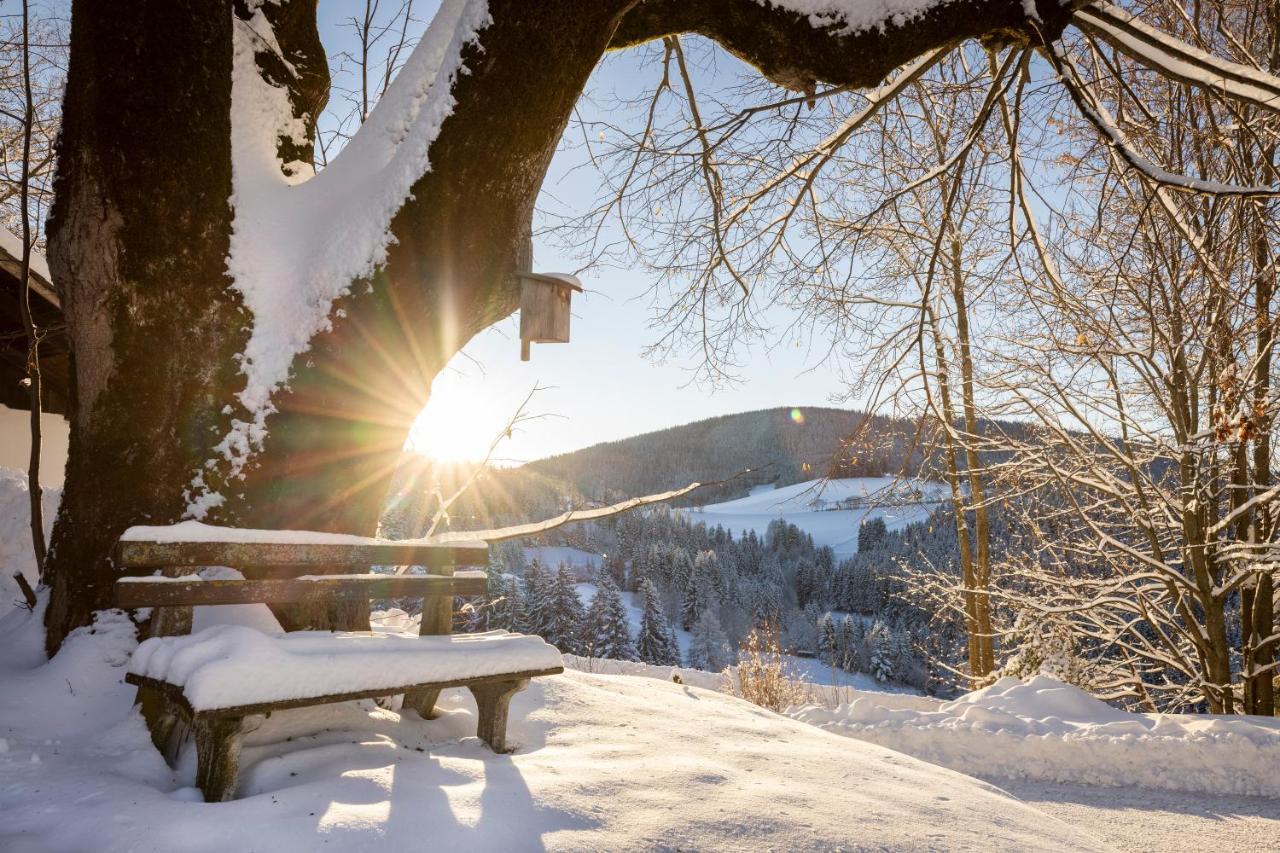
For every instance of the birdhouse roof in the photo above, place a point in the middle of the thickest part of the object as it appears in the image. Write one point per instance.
(556, 278)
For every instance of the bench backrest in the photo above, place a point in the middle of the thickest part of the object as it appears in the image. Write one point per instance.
(300, 572)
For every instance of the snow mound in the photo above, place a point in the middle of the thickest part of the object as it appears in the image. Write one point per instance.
(596, 768)
(230, 665)
(1046, 730)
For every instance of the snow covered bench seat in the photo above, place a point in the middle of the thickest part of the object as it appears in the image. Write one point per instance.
(236, 671)
(208, 682)
(211, 680)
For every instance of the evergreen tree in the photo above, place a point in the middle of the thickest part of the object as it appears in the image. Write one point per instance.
(675, 647)
(506, 607)
(871, 534)
(616, 568)
(850, 643)
(697, 595)
(510, 556)
(538, 589)
(1043, 644)
(654, 644)
(827, 640)
(679, 568)
(605, 633)
(709, 648)
(564, 613)
(880, 648)
(708, 566)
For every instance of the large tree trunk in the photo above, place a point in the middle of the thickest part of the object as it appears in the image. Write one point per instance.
(138, 241)
(140, 233)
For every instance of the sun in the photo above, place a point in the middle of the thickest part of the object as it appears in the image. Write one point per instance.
(459, 423)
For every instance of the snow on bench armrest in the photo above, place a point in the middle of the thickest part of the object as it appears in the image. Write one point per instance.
(230, 665)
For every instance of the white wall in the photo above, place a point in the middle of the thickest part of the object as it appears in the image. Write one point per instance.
(15, 443)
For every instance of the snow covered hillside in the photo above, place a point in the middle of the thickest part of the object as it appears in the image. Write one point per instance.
(828, 510)
(596, 769)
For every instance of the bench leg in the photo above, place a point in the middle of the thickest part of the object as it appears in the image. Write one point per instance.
(217, 756)
(492, 702)
(164, 721)
(422, 701)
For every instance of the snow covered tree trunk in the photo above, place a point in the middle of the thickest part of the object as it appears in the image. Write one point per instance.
(142, 230)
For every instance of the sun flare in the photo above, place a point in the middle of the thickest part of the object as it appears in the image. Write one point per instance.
(459, 423)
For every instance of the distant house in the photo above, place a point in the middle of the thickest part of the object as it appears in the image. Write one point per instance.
(46, 310)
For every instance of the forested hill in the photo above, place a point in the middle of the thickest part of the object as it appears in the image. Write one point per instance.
(780, 446)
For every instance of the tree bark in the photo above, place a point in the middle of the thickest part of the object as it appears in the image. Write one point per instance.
(140, 230)
(138, 238)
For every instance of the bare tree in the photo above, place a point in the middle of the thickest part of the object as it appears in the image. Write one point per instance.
(1128, 316)
(33, 55)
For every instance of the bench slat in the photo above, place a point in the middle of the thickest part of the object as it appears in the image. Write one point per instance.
(174, 692)
(166, 592)
(238, 555)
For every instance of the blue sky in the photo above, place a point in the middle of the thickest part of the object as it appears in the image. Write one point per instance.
(599, 387)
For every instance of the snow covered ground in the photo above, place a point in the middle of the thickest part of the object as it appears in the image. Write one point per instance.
(15, 531)
(1143, 820)
(811, 507)
(1124, 815)
(1048, 731)
(597, 768)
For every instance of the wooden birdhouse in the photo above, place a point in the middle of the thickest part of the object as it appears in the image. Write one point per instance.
(544, 308)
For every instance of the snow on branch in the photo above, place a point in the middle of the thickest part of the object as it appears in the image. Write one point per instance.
(806, 167)
(300, 240)
(520, 531)
(1100, 117)
(1179, 60)
(845, 17)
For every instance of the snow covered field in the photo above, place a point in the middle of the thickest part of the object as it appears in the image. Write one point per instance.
(596, 769)
(810, 506)
(575, 558)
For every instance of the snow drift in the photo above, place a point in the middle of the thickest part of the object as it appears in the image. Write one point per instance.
(1047, 730)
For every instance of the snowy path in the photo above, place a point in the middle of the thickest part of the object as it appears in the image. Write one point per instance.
(1140, 820)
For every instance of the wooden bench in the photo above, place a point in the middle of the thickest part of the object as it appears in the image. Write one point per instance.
(315, 572)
